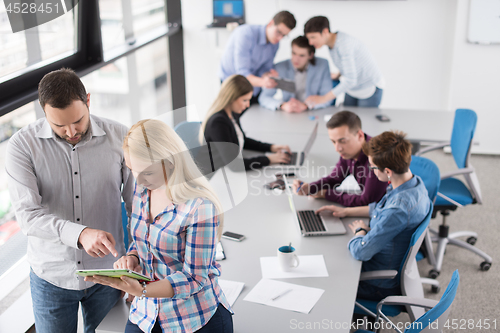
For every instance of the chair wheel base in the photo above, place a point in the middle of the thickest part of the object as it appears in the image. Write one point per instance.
(472, 240)
(433, 274)
(485, 266)
(435, 289)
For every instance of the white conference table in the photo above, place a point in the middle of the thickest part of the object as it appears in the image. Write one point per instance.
(265, 218)
(423, 126)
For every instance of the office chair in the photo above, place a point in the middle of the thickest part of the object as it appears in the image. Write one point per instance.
(433, 320)
(454, 193)
(189, 131)
(411, 283)
(428, 171)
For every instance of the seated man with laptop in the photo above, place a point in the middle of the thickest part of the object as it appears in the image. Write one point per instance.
(344, 129)
(382, 244)
(308, 75)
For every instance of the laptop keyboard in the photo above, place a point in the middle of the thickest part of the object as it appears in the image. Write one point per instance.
(311, 221)
(293, 159)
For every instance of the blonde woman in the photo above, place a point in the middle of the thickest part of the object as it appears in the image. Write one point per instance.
(222, 124)
(175, 225)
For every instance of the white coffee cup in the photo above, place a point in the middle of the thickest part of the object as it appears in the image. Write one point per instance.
(287, 258)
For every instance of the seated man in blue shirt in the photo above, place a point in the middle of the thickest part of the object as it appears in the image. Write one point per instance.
(251, 49)
(311, 76)
(382, 244)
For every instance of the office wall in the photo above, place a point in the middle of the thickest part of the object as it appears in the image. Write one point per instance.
(420, 46)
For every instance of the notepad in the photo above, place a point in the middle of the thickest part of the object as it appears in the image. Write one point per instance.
(310, 266)
(231, 289)
(284, 295)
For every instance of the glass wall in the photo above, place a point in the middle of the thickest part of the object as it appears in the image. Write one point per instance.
(48, 42)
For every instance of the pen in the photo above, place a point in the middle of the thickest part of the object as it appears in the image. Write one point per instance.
(282, 294)
(298, 189)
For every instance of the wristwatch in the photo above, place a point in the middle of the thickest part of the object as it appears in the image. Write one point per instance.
(360, 229)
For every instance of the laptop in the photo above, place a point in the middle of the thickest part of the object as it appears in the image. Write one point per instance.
(311, 224)
(297, 158)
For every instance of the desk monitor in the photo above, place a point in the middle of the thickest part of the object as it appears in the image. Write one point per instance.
(226, 11)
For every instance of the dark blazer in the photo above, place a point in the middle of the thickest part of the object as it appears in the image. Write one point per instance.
(220, 128)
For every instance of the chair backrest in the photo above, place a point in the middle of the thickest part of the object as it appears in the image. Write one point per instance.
(411, 284)
(435, 319)
(429, 172)
(189, 131)
(464, 127)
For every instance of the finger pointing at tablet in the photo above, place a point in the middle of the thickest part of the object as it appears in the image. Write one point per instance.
(97, 243)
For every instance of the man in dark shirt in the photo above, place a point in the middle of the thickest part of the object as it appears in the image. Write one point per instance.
(344, 129)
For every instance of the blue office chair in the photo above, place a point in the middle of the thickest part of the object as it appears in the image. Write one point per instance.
(429, 172)
(411, 284)
(433, 320)
(454, 193)
(189, 131)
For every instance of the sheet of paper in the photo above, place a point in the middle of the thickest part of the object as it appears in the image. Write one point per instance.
(310, 266)
(219, 252)
(231, 289)
(293, 296)
(349, 185)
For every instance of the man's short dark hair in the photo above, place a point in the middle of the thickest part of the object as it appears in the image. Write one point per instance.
(302, 42)
(60, 88)
(345, 118)
(286, 18)
(316, 24)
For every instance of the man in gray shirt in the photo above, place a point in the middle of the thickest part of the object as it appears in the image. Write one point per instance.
(67, 176)
(360, 78)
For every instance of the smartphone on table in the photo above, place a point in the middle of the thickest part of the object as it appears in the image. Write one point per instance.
(233, 236)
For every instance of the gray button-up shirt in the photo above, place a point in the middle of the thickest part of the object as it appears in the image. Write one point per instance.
(57, 190)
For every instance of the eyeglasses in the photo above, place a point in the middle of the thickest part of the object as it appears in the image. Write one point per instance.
(374, 168)
(279, 33)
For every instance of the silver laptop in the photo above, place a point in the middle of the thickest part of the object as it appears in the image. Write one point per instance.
(311, 224)
(297, 158)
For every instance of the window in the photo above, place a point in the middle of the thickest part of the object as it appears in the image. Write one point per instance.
(51, 41)
(134, 87)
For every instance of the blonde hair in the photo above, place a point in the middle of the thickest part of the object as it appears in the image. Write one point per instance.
(153, 141)
(232, 88)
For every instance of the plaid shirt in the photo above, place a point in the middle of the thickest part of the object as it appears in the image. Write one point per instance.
(179, 245)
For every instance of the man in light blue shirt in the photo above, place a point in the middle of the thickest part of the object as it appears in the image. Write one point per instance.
(360, 78)
(251, 49)
(310, 74)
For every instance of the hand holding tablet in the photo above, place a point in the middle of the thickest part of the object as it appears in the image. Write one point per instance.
(116, 273)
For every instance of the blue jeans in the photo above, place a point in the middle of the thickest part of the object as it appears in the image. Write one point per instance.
(221, 322)
(56, 309)
(372, 101)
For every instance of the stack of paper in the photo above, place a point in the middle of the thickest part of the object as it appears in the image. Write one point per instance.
(284, 295)
(231, 289)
